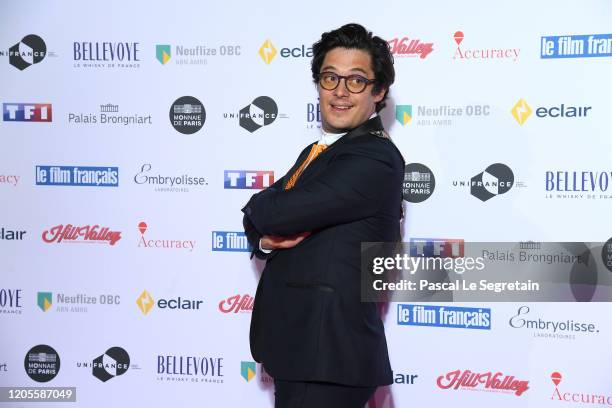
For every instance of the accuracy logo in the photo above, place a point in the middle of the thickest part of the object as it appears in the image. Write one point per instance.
(267, 51)
(189, 245)
(483, 54)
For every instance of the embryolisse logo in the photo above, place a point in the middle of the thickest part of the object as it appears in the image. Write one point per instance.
(180, 183)
(559, 329)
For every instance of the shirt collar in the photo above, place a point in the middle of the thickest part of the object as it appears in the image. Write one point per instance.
(329, 138)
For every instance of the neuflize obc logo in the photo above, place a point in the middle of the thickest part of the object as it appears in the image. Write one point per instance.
(80, 176)
(444, 316)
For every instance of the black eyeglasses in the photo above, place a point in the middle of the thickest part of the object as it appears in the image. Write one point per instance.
(354, 83)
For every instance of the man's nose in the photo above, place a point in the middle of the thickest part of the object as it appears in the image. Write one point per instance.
(341, 90)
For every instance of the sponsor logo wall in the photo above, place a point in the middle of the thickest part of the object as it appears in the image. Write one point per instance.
(128, 153)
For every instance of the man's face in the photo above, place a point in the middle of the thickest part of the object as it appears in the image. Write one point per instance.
(342, 110)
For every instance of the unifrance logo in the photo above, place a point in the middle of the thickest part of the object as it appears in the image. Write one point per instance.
(90, 234)
(114, 362)
(444, 316)
(248, 179)
(181, 244)
(77, 176)
(237, 303)
(27, 112)
(406, 47)
(163, 53)
(468, 380)
(576, 46)
(521, 111)
(230, 241)
(29, 51)
(495, 180)
(259, 113)
(403, 114)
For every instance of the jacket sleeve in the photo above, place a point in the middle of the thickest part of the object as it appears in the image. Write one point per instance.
(349, 189)
(253, 236)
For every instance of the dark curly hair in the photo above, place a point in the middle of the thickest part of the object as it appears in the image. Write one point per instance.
(355, 36)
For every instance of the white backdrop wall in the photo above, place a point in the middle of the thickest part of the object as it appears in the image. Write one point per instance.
(207, 266)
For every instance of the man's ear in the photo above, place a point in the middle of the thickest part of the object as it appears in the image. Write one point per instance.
(380, 95)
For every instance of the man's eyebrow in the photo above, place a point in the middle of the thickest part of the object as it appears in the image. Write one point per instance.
(332, 68)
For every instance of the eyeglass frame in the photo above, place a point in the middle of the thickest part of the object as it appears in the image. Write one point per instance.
(367, 81)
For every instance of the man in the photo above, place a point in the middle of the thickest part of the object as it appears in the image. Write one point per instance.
(322, 345)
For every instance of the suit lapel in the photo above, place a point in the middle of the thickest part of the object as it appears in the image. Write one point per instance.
(297, 164)
(370, 127)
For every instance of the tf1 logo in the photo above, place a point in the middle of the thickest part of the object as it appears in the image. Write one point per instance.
(437, 247)
(27, 112)
(248, 179)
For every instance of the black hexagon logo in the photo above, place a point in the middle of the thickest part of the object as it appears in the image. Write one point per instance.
(496, 179)
(261, 112)
(114, 362)
(30, 50)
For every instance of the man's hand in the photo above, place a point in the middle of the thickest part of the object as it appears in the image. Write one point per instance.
(278, 242)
